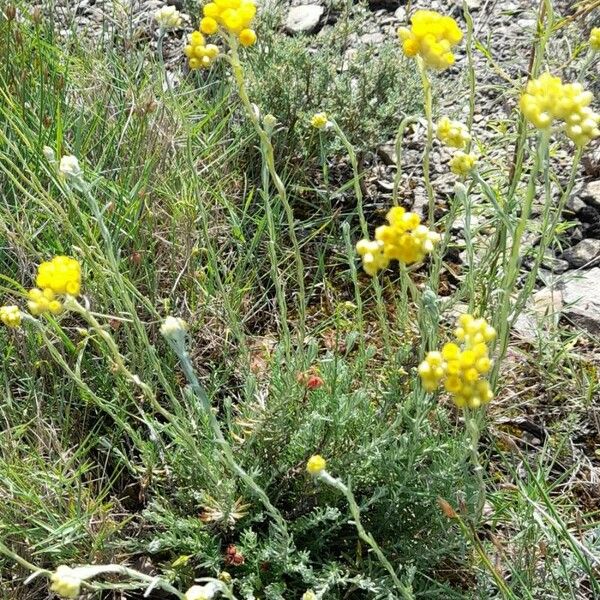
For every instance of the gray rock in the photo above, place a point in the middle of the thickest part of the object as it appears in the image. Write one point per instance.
(541, 312)
(575, 204)
(590, 194)
(304, 19)
(584, 254)
(581, 296)
(372, 38)
(400, 13)
(556, 265)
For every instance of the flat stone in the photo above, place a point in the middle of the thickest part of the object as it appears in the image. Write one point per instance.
(400, 13)
(584, 254)
(542, 310)
(556, 265)
(581, 296)
(304, 18)
(372, 38)
(575, 204)
(590, 194)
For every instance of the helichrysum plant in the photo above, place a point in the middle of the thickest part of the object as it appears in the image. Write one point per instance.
(452, 133)
(462, 366)
(319, 120)
(432, 37)
(405, 239)
(547, 100)
(56, 279)
(462, 163)
(231, 17)
(200, 54)
(10, 315)
(168, 17)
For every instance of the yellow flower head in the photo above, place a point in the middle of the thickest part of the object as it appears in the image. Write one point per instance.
(461, 367)
(65, 582)
(547, 99)
(232, 16)
(247, 37)
(316, 464)
(462, 164)
(404, 240)
(319, 120)
(62, 275)
(56, 278)
(10, 315)
(452, 133)
(200, 55)
(41, 301)
(432, 37)
(595, 39)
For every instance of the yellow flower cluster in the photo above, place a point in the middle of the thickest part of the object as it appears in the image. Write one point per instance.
(547, 99)
(10, 315)
(452, 133)
(595, 39)
(432, 37)
(404, 240)
(316, 464)
(462, 370)
(200, 55)
(234, 16)
(59, 277)
(462, 164)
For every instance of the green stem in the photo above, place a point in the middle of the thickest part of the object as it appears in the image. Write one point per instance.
(277, 280)
(474, 435)
(398, 151)
(161, 57)
(355, 177)
(364, 535)
(511, 272)
(470, 69)
(268, 156)
(428, 107)
(18, 559)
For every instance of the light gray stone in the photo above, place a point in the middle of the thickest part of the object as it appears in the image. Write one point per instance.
(581, 297)
(304, 18)
(590, 194)
(400, 13)
(584, 254)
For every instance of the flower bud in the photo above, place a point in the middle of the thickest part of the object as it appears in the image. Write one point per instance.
(65, 582)
(69, 166)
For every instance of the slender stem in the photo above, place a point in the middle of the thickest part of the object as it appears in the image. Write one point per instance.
(474, 435)
(470, 69)
(512, 269)
(117, 358)
(364, 535)
(268, 156)
(398, 151)
(428, 107)
(355, 177)
(161, 57)
(271, 248)
(18, 559)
